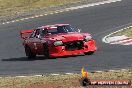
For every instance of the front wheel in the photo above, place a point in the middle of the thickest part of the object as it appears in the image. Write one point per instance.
(29, 53)
(89, 53)
(46, 51)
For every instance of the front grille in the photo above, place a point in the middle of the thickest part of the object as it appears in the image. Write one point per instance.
(74, 45)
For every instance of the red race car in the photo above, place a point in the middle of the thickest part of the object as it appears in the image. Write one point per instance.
(57, 40)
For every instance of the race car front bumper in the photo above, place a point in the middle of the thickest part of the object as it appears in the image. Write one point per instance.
(56, 51)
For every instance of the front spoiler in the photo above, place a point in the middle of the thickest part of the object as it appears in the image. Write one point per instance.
(62, 52)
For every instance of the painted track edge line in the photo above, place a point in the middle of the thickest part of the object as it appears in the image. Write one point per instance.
(104, 39)
(60, 11)
(55, 74)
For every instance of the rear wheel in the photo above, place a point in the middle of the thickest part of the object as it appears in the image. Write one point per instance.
(29, 53)
(89, 53)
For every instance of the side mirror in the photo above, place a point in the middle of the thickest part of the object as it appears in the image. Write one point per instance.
(79, 30)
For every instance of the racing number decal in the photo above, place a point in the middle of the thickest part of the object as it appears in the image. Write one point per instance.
(35, 45)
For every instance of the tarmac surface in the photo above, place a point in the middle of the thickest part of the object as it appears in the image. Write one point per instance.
(98, 21)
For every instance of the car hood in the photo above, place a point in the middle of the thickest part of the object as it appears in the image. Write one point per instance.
(65, 37)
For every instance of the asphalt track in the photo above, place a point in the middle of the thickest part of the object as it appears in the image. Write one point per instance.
(97, 20)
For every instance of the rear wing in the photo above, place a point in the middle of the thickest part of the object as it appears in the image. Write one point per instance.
(25, 33)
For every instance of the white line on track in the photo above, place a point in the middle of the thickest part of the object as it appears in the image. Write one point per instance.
(21, 76)
(55, 74)
(98, 71)
(94, 4)
(67, 9)
(122, 40)
(38, 75)
(69, 73)
(112, 70)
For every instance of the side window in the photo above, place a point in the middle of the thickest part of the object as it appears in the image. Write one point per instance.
(43, 32)
(61, 29)
(32, 34)
(37, 34)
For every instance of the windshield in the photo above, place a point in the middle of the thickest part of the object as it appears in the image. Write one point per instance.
(58, 29)
(65, 29)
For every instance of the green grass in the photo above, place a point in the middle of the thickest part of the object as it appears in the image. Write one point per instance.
(12, 7)
(5, 4)
(61, 81)
(127, 32)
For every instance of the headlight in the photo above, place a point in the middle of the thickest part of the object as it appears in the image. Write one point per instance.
(88, 38)
(58, 43)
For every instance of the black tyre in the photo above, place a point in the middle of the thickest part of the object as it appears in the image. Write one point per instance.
(89, 53)
(46, 51)
(29, 53)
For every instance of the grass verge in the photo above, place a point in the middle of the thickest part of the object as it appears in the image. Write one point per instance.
(127, 32)
(62, 81)
(13, 7)
(18, 9)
